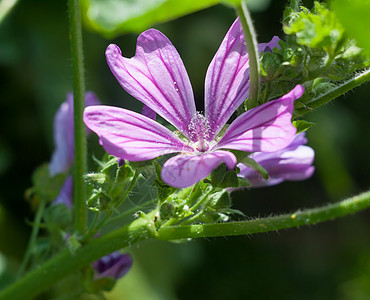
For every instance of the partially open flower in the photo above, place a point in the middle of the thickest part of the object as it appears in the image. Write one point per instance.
(114, 265)
(292, 163)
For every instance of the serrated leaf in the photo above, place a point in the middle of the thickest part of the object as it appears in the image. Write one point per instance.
(113, 17)
(317, 29)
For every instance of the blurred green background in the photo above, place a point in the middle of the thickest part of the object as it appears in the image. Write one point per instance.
(326, 261)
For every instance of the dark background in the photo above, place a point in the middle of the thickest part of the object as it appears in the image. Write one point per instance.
(327, 261)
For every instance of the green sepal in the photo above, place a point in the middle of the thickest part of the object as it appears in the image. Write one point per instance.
(57, 217)
(270, 66)
(251, 163)
(223, 178)
(302, 125)
(167, 211)
(220, 200)
(243, 182)
(109, 184)
(163, 189)
(99, 201)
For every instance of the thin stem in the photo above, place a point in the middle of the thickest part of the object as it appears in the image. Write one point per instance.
(131, 211)
(80, 166)
(335, 93)
(34, 233)
(252, 46)
(305, 217)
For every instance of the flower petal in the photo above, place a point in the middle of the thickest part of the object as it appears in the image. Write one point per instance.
(291, 163)
(265, 128)
(227, 79)
(129, 135)
(185, 170)
(65, 193)
(148, 112)
(274, 43)
(64, 155)
(114, 265)
(157, 77)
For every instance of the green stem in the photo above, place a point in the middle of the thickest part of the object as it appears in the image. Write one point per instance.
(252, 46)
(130, 211)
(80, 166)
(299, 218)
(34, 233)
(335, 93)
(64, 263)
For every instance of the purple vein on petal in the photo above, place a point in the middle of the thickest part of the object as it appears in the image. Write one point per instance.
(131, 136)
(157, 77)
(226, 85)
(265, 128)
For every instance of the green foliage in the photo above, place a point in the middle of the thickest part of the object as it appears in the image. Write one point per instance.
(316, 53)
(317, 29)
(44, 186)
(163, 189)
(113, 17)
(354, 16)
(109, 185)
(223, 178)
(302, 125)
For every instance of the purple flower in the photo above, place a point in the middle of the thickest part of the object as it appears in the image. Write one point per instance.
(64, 153)
(157, 77)
(291, 163)
(63, 156)
(114, 265)
(66, 193)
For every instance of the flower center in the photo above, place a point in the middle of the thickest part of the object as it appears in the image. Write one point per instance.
(199, 132)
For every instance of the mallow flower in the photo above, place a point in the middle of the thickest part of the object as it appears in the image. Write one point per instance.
(112, 265)
(156, 76)
(292, 163)
(64, 153)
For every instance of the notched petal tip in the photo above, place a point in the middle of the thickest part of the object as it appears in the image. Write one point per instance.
(113, 51)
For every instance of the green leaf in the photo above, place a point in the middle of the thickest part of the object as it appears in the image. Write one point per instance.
(354, 16)
(317, 29)
(302, 125)
(44, 186)
(113, 17)
(251, 163)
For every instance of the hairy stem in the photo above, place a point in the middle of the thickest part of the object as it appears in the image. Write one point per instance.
(64, 263)
(79, 189)
(299, 218)
(334, 93)
(251, 42)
